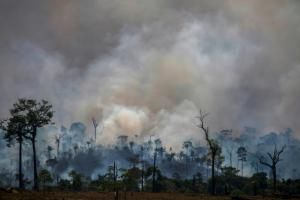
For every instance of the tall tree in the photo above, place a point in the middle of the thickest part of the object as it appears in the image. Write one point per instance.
(15, 130)
(58, 138)
(242, 156)
(37, 115)
(154, 171)
(275, 158)
(143, 168)
(95, 124)
(115, 177)
(214, 148)
(229, 151)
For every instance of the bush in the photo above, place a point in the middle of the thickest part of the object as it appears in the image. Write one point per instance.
(236, 193)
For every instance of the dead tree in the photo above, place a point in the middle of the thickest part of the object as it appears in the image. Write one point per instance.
(214, 148)
(95, 124)
(229, 152)
(275, 158)
(154, 172)
(143, 168)
(57, 141)
(115, 176)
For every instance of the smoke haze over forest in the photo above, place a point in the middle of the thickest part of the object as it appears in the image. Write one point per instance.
(145, 68)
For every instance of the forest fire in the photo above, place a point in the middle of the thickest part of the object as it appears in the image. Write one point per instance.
(140, 99)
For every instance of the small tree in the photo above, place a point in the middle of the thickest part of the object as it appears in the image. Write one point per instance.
(131, 179)
(259, 181)
(275, 158)
(36, 115)
(76, 180)
(45, 177)
(214, 148)
(229, 173)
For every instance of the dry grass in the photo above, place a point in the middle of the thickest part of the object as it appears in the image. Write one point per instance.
(110, 196)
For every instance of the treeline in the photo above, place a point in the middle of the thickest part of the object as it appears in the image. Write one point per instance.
(149, 166)
(136, 180)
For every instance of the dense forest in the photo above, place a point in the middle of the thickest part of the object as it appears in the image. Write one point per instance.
(248, 162)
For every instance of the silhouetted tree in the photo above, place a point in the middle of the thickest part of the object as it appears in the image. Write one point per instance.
(259, 181)
(95, 124)
(143, 168)
(154, 171)
(76, 180)
(229, 174)
(131, 179)
(242, 156)
(115, 176)
(57, 141)
(36, 114)
(275, 158)
(229, 152)
(15, 130)
(213, 147)
(49, 150)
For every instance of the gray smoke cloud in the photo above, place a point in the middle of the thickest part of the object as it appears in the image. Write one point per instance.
(146, 67)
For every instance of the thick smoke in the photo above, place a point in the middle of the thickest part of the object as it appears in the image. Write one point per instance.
(144, 68)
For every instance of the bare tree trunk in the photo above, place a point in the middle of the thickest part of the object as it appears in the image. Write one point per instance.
(207, 171)
(153, 174)
(274, 178)
(21, 185)
(95, 123)
(142, 184)
(242, 168)
(230, 156)
(35, 176)
(213, 181)
(57, 148)
(115, 180)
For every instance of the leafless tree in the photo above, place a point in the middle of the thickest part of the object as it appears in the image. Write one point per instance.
(95, 124)
(57, 141)
(214, 148)
(275, 158)
(115, 176)
(154, 172)
(229, 152)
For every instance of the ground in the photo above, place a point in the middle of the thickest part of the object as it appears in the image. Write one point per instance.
(110, 196)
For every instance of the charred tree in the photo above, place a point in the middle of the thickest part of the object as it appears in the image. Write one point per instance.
(214, 148)
(242, 156)
(95, 124)
(154, 172)
(57, 141)
(37, 114)
(15, 130)
(115, 176)
(143, 168)
(275, 159)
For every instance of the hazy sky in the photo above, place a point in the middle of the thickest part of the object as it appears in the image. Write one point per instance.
(146, 67)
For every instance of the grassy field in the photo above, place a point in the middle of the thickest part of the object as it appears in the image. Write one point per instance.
(110, 196)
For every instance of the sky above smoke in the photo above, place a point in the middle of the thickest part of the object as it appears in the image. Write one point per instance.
(146, 67)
